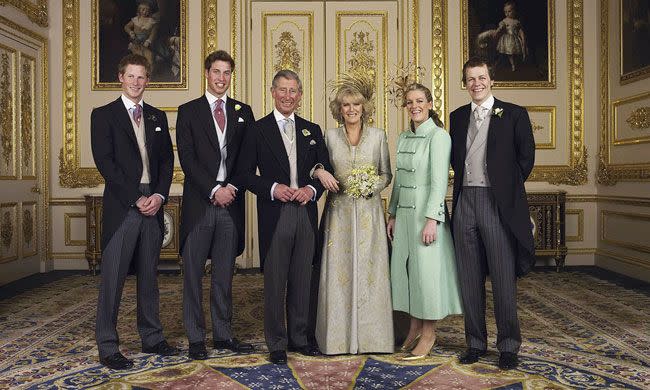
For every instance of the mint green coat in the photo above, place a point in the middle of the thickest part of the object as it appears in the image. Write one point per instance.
(423, 278)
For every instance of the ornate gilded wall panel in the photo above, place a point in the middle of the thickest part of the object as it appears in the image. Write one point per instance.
(362, 46)
(580, 225)
(27, 117)
(630, 123)
(9, 233)
(438, 56)
(71, 173)
(575, 172)
(67, 226)
(36, 10)
(7, 113)
(612, 138)
(30, 229)
(288, 43)
(543, 121)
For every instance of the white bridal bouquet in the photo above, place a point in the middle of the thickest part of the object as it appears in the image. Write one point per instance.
(361, 182)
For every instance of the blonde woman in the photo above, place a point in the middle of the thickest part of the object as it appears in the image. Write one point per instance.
(354, 313)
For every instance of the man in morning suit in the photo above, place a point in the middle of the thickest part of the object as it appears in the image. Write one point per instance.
(209, 133)
(133, 152)
(493, 152)
(285, 147)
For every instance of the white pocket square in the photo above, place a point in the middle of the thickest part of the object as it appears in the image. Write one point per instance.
(312, 142)
(158, 129)
(240, 120)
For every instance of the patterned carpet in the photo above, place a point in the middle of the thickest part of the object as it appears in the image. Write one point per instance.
(579, 332)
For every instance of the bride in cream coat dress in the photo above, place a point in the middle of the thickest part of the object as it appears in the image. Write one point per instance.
(354, 312)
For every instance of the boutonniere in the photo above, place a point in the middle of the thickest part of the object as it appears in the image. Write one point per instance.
(498, 112)
(312, 142)
(237, 107)
(152, 118)
(306, 132)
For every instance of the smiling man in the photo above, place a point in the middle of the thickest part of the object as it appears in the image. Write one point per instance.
(209, 133)
(493, 152)
(284, 147)
(133, 153)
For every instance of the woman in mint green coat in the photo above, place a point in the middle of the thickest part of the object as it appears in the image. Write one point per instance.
(423, 267)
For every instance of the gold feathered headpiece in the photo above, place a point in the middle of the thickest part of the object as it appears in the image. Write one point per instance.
(360, 81)
(403, 76)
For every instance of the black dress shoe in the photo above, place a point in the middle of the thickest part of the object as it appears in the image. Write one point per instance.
(198, 351)
(508, 360)
(233, 345)
(162, 349)
(471, 356)
(307, 350)
(116, 361)
(278, 357)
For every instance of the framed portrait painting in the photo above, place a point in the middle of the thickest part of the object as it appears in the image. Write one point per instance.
(517, 37)
(635, 35)
(152, 28)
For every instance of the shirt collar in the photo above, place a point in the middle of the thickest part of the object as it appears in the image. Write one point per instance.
(280, 118)
(488, 103)
(212, 99)
(128, 103)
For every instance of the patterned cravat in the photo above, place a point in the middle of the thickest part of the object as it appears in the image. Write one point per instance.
(219, 116)
(479, 115)
(289, 129)
(137, 114)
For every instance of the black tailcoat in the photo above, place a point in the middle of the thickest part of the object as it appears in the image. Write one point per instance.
(510, 157)
(200, 156)
(117, 156)
(263, 149)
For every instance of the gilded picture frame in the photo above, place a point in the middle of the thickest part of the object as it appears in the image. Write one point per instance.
(634, 22)
(517, 37)
(155, 29)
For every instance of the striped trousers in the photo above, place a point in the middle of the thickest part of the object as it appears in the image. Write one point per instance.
(485, 245)
(138, 237)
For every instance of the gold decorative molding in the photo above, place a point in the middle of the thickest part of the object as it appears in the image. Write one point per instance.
(7, 229)
(351, 48)
(40, 44)
(234, 34)
(550, 83)
(639, 118)
(362, 50)
(71, 174)
(551, 111)
(27, 112)
(439, 57)
(209, 30)
(309, 34)
(8, 232)
(581, 224)
(609, 173)
(287, 54)
(97, 84)
(7, 123)
(30, 232)
(67, 219)
(619, 243)
(36, 10)
(576, 172)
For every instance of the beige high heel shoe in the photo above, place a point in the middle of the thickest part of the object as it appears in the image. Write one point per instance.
(409, 345)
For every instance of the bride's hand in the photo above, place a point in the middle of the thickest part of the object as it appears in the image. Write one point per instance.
(327, 180)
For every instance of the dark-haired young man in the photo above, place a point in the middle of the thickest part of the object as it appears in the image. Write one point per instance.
(209, 133)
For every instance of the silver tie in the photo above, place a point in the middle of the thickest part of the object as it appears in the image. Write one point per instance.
(289, 129)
